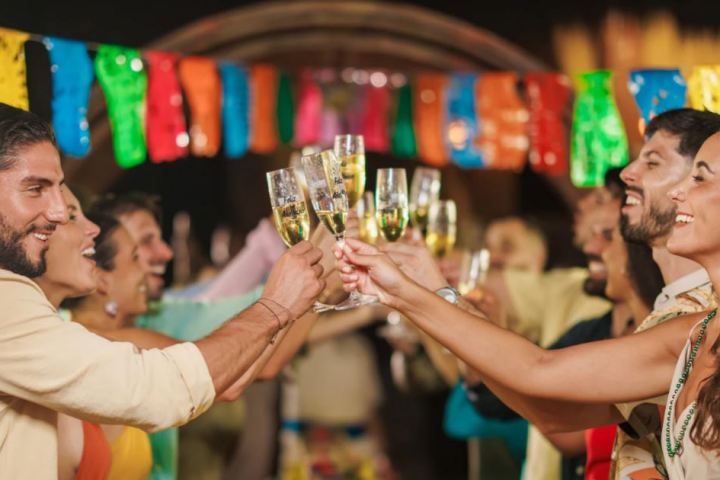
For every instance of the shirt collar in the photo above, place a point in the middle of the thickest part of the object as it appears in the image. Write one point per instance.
(691, 281)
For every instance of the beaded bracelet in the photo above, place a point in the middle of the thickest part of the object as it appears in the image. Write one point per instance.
(277, 319)
(289, 314)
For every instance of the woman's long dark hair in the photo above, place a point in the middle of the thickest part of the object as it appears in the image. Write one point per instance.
(705, 432)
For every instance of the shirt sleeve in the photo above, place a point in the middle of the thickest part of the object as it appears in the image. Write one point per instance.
(190, 320)
(62, 366)
(249, 267)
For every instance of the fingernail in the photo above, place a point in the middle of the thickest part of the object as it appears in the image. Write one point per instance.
(347, 269)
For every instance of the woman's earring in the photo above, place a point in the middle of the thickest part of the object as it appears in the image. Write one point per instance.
(111, 308)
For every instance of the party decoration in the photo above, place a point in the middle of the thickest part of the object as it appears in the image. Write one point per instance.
(656, 91)
(429, 115)
(704, 86)
(201, 82)
(462, 122)
(285, 109)
(122, 77)
(263, 81)
(329, 127)
(235, 110)
(375, 119)
(13, 76)
(167, 136)
(598, 136)
(503, 139)
(72, 77)
(309, 112)
(548, 94)
(403, 133)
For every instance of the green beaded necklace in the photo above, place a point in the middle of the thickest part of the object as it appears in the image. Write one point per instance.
(673, 450)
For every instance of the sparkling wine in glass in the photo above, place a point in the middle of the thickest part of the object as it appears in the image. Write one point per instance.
(441, 228)
(425, 189)
(473, 270)
(391, 202)
(350, 152)
(290, 214)
(330, 201)
(366, 218)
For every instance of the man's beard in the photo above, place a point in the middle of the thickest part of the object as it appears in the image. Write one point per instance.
(12, 255)
(657, 224)
(595, 287)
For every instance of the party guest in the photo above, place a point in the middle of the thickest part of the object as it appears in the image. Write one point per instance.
(43, 369)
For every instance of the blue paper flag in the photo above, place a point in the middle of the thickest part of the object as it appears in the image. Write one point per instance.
(72, 77)
(462, 124)
(657, 90)
(235, 110)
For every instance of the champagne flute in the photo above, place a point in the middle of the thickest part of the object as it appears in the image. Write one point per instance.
(473, 270)
(391, 202)
(441, 228)
(290, 214)
(425, 189)
(366, 217)
(350, 152)
(330, 201)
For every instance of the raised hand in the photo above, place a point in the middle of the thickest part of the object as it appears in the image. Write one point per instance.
(296, 279)
(364, 267)
(416, 261)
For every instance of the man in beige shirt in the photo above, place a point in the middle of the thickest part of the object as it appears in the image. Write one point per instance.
(49, 366)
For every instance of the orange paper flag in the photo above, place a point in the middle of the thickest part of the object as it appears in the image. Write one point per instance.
(428, 113)
(503, 137)
(263, 85)
(201, 82)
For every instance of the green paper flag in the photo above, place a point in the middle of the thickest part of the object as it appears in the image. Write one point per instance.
(122, 77)
(285, 109)
(403, 134)
(598, 136)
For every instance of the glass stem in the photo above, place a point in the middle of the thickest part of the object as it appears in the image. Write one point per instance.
(340, 239)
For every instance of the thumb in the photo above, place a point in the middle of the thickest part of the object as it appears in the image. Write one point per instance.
(360, 247)
(359, 258)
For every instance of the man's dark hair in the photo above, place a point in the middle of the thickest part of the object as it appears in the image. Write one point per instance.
(117, 205)
(614, 183)
(19, 129)
(692, 126)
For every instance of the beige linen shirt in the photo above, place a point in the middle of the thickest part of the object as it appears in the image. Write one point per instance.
(48, 365)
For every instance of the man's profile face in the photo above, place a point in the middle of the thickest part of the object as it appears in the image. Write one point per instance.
(154, 252)
(31, 206)
(648, 214)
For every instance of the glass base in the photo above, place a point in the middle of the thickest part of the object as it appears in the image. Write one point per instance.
(322, 307)
(356, 299)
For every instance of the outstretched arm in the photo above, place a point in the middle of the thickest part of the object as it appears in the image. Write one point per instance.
(592, 373)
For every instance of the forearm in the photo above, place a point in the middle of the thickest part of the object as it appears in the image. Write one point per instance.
(232, 349)
(140, 337)
(556, 416)
(591, 373)
(443, 360)
(570, 444)
(286, 347)
(338, 323)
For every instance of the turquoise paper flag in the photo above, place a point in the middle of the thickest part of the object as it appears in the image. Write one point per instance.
(235, 110)
(461, 127)
(657, 90)
(72, 77)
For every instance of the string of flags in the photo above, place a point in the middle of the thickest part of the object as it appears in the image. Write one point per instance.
(500, 120)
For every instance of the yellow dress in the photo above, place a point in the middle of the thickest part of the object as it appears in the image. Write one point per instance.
(131, 455)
